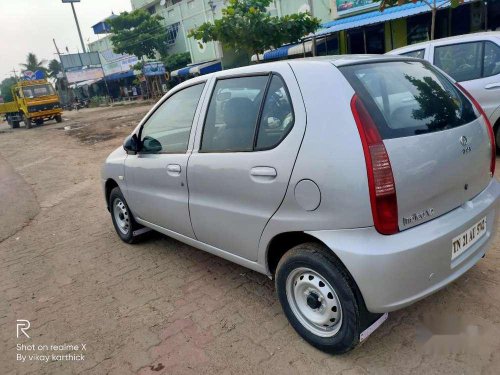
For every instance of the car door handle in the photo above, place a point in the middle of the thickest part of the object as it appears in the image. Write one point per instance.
(495, 85)
(174, 169)
(268, 172)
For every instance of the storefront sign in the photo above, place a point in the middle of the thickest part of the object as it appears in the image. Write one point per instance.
(84, 75)
(154, 69)
(349, 6)
(119, 66)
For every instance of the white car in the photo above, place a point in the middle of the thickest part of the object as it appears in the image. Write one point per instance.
(472, 60)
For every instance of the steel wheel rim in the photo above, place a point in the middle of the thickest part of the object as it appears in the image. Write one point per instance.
(314, 302)
(121, 216)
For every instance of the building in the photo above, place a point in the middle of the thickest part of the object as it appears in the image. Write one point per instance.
(349, 26)
(358, 26)
(180, 16)
(120, 77)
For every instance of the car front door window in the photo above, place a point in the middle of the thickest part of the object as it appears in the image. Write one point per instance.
(167, 130)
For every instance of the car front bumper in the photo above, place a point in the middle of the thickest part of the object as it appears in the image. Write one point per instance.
(395, 271)
(45, 114)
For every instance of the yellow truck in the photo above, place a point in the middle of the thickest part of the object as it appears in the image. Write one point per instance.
(34, 101)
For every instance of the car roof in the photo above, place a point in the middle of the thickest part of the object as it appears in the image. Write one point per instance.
(451, 40)
(337, 60)
(341, 60)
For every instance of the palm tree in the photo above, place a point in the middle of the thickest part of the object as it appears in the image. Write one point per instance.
(33, 64)
(54, 68)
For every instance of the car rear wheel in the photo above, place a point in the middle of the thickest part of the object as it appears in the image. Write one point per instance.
(318, 298)
(123, 220)
(27, 122)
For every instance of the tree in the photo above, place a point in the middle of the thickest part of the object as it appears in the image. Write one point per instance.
(246, 26)
(5, 86)
(32, 63)
(434, 6)
(176, 61)
(436, 105)
(138, 33)
(54, 68)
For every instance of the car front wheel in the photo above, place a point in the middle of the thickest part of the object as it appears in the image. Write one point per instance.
(318, 298)
(125, 225)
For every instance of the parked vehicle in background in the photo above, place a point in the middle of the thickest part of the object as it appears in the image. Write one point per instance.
(34, 101)
(387, 197)
(472, 60)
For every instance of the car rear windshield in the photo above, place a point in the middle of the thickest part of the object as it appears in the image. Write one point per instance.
(408, 98)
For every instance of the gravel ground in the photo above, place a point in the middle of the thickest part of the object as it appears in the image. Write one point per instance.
(162, 307)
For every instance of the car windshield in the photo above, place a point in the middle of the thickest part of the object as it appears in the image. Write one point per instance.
(409, 97)
(37, 91)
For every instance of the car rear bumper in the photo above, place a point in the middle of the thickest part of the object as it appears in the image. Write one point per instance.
(395, 271)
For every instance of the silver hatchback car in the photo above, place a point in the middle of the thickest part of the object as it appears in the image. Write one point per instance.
(360, 183)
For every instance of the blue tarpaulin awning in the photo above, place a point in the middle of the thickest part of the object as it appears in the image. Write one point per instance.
(364, 19)
(120, 75)
(200, 69)
(377, 16)
(102, 27)
(285, 51)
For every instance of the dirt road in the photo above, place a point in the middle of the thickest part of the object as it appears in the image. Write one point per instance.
(161, 307)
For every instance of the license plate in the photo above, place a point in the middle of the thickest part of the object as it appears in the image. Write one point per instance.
(466, 239)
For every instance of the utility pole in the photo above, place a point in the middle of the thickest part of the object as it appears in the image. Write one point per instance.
(76, 20)
(78, 26)
(15, 74)
(68, 93)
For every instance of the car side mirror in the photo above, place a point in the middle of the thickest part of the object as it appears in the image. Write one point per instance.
(131, 144)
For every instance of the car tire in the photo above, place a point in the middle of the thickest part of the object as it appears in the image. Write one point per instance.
(319, 298)
(27, 122)
(123, 219)
(58, 118)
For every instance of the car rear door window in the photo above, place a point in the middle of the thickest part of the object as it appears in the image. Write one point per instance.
(491, 59)
(408, 97)
(167, 130)
(232, 114)
(419, 53)
(277, 115)
(462, 61)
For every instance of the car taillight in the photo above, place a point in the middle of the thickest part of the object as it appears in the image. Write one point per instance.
(489, 128)
(378, 166)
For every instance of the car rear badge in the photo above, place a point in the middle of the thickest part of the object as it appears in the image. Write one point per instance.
(463, 140)
(465, 144)
(418, 216)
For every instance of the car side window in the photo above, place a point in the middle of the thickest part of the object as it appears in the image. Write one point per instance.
(491, 59)
(167, 130)
(462, 61)
(277, 115)
(232, 114)
(419, 53)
